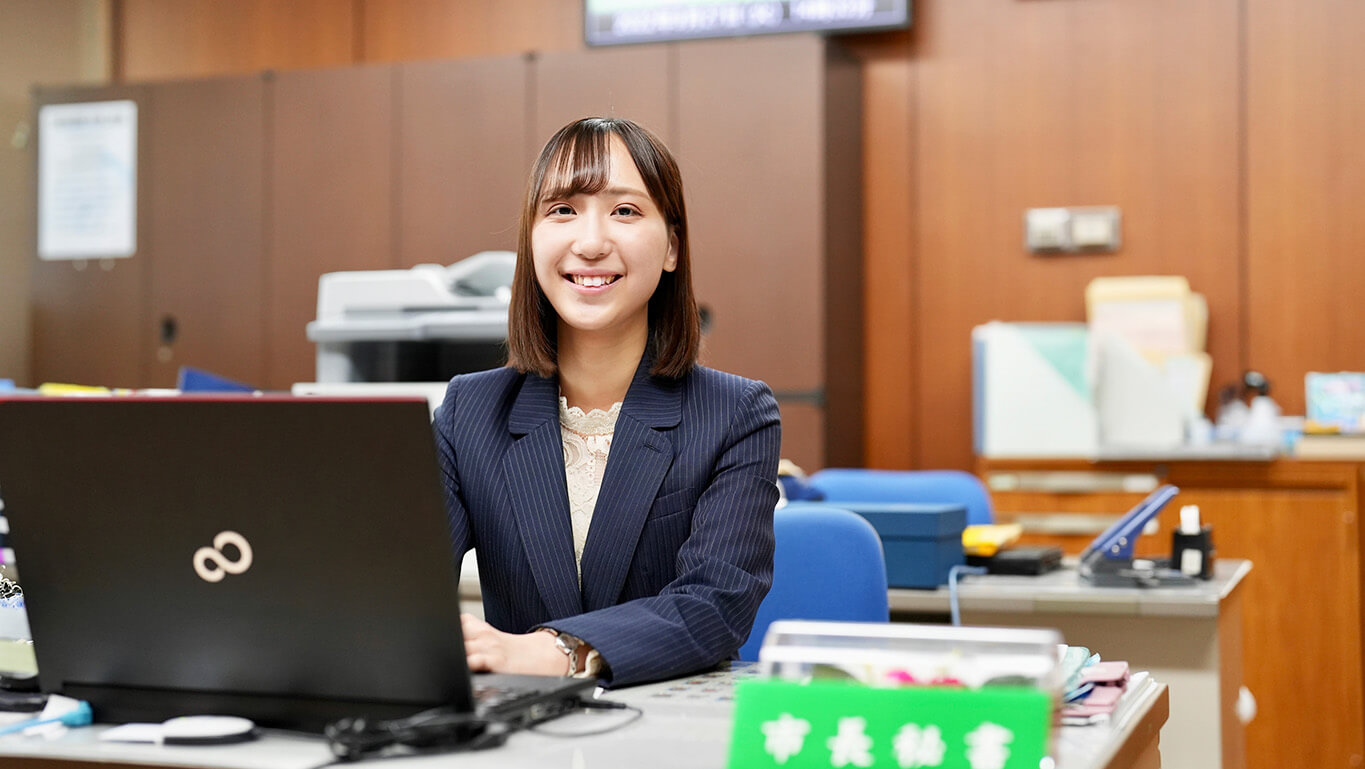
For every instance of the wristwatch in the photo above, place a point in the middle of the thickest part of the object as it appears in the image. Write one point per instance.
(580, 665)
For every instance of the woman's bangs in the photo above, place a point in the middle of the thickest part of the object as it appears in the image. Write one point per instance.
(580, 165)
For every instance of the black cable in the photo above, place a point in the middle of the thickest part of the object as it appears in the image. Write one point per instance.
(441, 729)
(592, 706)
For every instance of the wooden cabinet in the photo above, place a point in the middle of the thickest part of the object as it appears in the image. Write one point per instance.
(1298, 524)
(332, 201)
(207, 261)
(771, 161)
(636, 82)
(89, 316)
(463, 157)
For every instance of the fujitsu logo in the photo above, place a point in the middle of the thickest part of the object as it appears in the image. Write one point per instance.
(205, 557)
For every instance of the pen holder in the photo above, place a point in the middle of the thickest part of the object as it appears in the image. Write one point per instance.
(1192, 554)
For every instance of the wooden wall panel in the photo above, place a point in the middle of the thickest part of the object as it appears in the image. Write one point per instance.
(438, 29)
(88, 322)
(757, 251)
(982, 109)
(841, 255)
(1305, 191)
(89, 316)
(207, 219)
(766, 322)
(889, 330)
(803, 434)
(332, 175)
(636, 83)
(160, 39)
(1076, 102)
(463, 157)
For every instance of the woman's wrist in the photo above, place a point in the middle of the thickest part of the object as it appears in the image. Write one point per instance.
(578, 656)
(544, 654)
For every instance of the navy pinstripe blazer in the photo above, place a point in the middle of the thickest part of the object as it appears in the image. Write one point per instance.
(680, 551)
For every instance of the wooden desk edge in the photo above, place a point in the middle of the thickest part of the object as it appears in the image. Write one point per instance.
(1140, 737)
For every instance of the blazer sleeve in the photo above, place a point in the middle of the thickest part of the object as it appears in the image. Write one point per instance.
(457, 517)
(724, 568)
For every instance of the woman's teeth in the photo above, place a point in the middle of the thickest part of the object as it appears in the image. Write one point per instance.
(594, 281)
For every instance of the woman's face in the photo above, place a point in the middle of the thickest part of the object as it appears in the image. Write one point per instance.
(598, 257)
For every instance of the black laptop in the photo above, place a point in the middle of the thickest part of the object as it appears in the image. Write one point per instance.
(284, 559)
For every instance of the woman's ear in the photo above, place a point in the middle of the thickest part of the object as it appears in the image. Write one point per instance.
(671, 258)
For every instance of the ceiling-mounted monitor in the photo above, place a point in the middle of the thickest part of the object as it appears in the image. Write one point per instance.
(616, 22)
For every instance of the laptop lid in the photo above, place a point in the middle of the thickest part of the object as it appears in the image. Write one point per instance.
(285, 559)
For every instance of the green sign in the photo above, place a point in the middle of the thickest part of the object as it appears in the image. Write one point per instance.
(836, 724)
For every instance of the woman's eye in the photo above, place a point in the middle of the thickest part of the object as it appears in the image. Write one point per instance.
(625, 211)
(561, 210)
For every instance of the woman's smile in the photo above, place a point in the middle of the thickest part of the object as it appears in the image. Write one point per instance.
(592, 282)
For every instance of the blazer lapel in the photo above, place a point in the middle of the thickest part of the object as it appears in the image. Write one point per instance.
(641, 453)
(534, 469)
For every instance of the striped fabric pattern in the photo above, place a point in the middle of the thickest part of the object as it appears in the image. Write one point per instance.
(680, 552)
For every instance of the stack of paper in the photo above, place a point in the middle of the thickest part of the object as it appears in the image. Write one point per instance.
(1157, 314)
(1153, 373)
(1164, 321)
(1102, 688)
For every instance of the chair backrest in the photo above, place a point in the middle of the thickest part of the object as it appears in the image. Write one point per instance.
(919, 486)
(828, 565)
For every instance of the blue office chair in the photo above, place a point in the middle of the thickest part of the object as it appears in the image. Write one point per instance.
(828, 566)
(916, 486)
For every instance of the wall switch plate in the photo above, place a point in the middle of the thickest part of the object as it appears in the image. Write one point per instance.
(1072, 230)
(1047, 229)
(1095, 228)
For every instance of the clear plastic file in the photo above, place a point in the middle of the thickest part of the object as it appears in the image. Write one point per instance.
(897, 695)
(898, 654)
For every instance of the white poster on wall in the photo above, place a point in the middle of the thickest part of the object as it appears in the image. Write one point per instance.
(87, 180)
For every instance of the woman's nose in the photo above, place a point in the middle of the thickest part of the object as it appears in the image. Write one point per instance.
(592, 241)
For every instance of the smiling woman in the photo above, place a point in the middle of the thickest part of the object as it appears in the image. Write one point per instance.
(651, 565)
(599, 256)
(603, 179)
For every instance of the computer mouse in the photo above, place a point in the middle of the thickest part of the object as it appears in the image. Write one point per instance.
(207, 730)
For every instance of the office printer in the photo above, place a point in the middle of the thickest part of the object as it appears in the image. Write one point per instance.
(424, 324)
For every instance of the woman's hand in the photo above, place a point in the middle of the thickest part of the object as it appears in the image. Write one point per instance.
(490, 650)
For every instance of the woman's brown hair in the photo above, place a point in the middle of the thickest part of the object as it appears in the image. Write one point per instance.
(577, 160)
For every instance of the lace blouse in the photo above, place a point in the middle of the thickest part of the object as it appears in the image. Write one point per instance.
(587, 441)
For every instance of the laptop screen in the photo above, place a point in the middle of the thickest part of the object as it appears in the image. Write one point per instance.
(286, 559)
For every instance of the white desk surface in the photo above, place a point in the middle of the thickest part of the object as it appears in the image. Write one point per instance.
(1221, 450)
(1062, 591)
(686, 724)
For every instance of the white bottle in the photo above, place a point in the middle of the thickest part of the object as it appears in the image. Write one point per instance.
(1262, 426)
(1232, 417)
